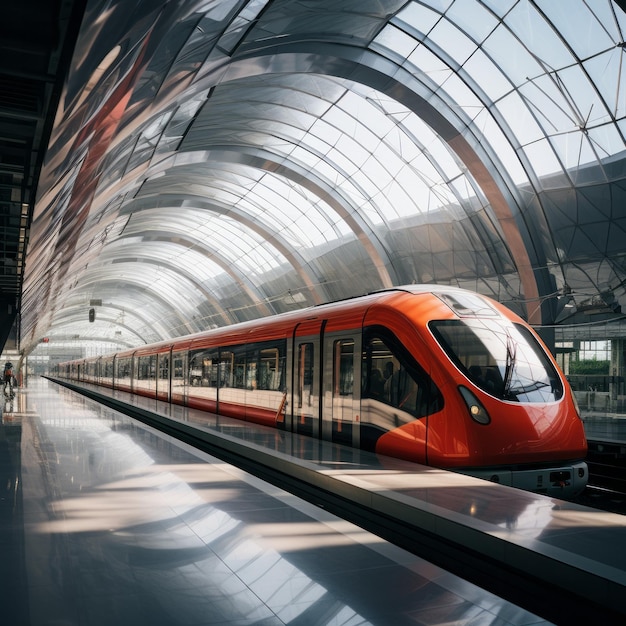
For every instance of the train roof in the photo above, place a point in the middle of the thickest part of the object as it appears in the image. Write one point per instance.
(461, 301)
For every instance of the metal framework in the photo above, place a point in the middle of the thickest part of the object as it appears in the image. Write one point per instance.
(214, 162)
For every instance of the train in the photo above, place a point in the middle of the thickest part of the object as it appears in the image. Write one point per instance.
(437, 375)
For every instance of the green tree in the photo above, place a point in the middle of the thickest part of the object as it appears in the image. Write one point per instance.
(590, 367)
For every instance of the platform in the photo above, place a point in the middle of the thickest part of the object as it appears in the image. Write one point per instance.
(105, 521)
(557, 559)
(605, 427)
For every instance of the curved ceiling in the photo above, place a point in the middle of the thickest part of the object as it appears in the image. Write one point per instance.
(214, 162)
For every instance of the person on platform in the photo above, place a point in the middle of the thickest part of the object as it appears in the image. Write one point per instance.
(8, 379)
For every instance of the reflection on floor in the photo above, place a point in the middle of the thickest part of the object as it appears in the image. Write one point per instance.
(106, 522)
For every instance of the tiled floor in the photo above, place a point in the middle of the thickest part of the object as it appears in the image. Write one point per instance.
(106, 522)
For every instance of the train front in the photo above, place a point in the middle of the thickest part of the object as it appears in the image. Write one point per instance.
(513, 410)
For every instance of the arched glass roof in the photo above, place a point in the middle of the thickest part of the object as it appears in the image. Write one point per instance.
(214, 162)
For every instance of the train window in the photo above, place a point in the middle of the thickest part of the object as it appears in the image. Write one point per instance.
(535, 378)
(164, 366)
(305, 374)
(108, 368)
(92, 369)
(178, 372)
(343, 370)
(146, 367)
(145, 374)
(503, 359)
(378, 365)
(391, 375)
(123, 366)
(249, 369)
(225, 368)
(195, 367)
(271, 369)
(255, 366)
(241, 379)
(259, 366)
(203, 367)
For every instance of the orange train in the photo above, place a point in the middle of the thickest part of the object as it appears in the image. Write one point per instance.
(437, 375)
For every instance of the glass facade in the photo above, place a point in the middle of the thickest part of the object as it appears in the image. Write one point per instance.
(220, 162)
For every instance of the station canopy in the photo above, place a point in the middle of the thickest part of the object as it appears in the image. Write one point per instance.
(216, 161)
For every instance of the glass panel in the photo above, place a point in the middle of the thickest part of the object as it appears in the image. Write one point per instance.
(532, 28)
(424, 62)
(226, 368)
(458, 91)
(179, 368)
(305, 374)
(482, 70)
(145, 375)
(608, 72)
(500, 7)
(271, 369)
(297, 213)
(164, 366)
(473, 18)
(504, 360)
(548, 105)
(606, 141)
(578, 25)
(451, 41)
(123, 373)
(388, 381)
(251, 368)
(202, 378)
(240, 379)
(237, 28)
(343, 379)
(393, 377)
(163, 383)
(418, 17)
(516, 114)
(201, 368)
(343, 389)
(543, 160)
(516, 63)
(588, 109)
(573, 149)
(396, 43)
(307, 400)
(107, 370)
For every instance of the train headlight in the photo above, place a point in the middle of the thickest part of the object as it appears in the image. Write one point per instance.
(476, 410)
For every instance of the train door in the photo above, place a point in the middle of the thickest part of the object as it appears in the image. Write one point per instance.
(163, 383)
(342, 388)
(178, 389)
(306, 371)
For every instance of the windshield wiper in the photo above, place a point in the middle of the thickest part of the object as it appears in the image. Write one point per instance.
(511, 351)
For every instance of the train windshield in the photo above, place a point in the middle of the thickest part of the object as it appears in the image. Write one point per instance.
(503, 359)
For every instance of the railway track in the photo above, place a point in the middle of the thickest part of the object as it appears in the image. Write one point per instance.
(607, 476)
(607, 464)
(603, 499)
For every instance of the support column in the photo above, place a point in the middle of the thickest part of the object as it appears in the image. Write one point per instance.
(616, 386)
